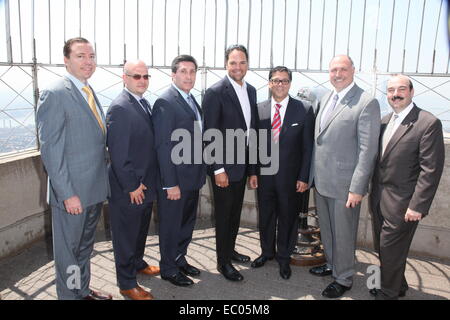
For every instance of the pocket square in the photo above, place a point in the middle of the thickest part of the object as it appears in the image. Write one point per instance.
(294, 124)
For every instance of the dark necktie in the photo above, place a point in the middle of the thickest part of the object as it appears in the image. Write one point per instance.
(146, 106)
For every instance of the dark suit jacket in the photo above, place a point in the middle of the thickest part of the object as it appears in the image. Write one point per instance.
(172, 112)
(131, 148)
(223, 111)
(408, 173)
(295, 142)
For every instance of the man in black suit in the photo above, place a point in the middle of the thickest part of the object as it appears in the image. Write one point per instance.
(175, 114)
(133, 178)
(290, 125)
(230, 105)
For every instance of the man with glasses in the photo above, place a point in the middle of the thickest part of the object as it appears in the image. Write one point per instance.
(176, 112)
(133, 178)
(290, 128)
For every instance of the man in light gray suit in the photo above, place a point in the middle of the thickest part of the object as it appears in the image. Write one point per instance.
(72, 131)
(345, 149)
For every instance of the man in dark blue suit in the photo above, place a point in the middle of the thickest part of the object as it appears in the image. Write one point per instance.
(133, 179)
(182, 174)
(290, 128)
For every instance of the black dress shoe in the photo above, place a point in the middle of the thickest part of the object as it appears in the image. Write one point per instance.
(229, 272)
(321, 271)
(239, 257)
(260, 261)
(189, 270)
(179, 279)
(335, 290)
(285, 271)
(94, 295)
(374, 292)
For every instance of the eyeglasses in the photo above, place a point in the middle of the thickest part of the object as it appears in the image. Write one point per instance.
(139, 76)
(277, 81)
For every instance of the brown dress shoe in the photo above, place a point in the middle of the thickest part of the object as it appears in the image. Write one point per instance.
(137, 294)
(150, 271)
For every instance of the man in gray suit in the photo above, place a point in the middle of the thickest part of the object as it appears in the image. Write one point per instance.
(405, 180)
(345, 149)
(72, 131)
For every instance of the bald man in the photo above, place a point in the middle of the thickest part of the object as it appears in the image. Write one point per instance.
(405, 180)
(345, 150)
(133, 178)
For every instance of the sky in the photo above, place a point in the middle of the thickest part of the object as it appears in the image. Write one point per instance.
(380, 35)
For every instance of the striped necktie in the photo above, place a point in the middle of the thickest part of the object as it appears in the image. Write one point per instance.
(276, 123)
(91, 102)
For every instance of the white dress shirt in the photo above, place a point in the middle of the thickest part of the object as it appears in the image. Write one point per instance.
(242, 94)
(401, 116)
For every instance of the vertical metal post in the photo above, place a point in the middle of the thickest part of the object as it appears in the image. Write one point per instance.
(8, 32)
(272, 34)
(49, 33)
(390, 38)
(362, 36)
(34, 70)
(406, 33)
(420, 37)
(20, 31)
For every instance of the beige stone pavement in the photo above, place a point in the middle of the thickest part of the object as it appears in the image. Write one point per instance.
(30, 274)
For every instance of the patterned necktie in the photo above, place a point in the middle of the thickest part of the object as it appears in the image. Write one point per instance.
(276, 123)
(146, 106)
(192, 105)
(326, 116)
(387, 135)
(91, 102)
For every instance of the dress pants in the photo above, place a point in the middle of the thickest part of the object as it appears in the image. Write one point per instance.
(176, 225)
(227, 209)
(129, 225)
(278, 219)
(73, 242)
(392, 239)
(338, 231)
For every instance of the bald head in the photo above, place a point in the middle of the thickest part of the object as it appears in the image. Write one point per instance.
(341, 72)
(133, 77)
(400, 92)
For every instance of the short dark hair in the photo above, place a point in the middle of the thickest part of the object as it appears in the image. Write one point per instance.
(233, 47)
(280, 69)
(68, 45)
(182, 58)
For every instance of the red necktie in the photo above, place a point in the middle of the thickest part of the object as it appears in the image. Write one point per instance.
(276, 123)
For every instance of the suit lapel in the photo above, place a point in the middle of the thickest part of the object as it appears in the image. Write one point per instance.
(341, 106)
(182, 102)
(77, 96)
(136, 105)
(404, 127)
(288, 118)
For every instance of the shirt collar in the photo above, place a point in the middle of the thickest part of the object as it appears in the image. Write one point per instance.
(133, 94)
(76, 81)
(183, 94)
(237, 85)
(283, 103)
(402, 114)
(343, 92)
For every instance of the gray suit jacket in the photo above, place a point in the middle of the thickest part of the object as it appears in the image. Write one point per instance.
(73, 146)
(345, 150)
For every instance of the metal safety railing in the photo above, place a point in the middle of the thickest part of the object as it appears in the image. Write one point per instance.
(382, 37)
